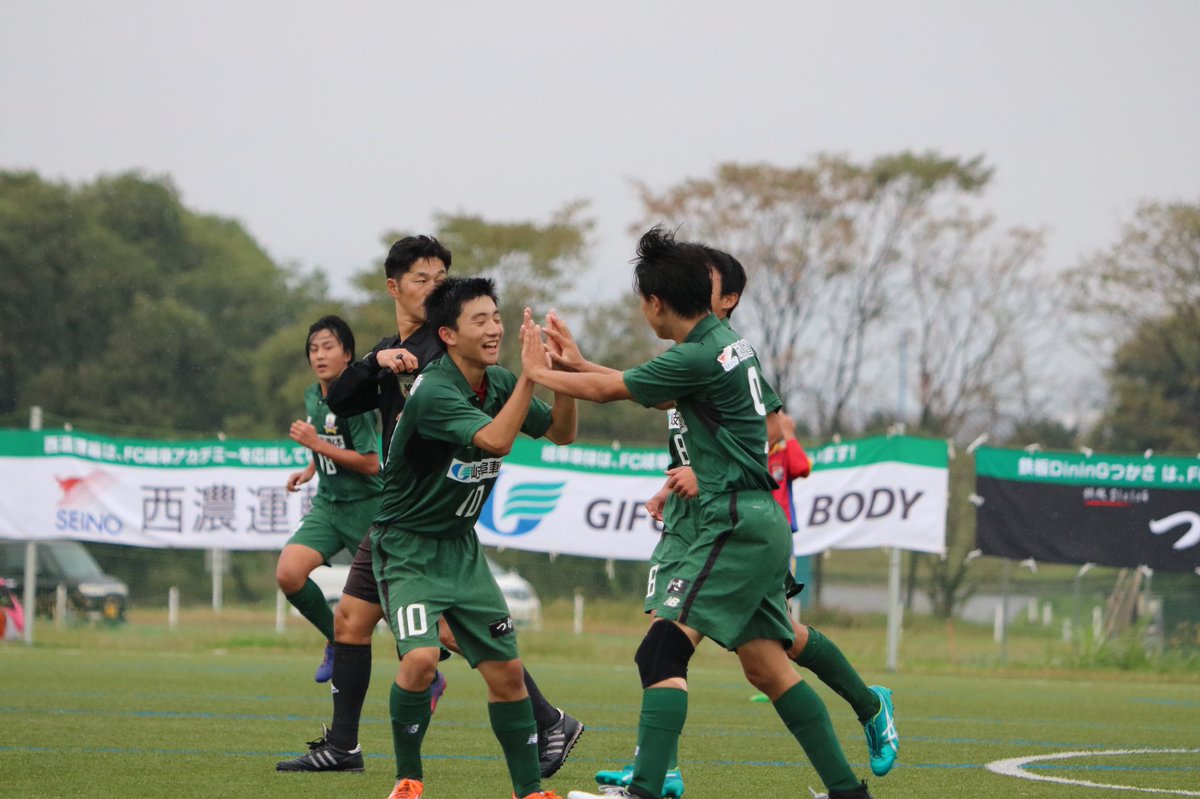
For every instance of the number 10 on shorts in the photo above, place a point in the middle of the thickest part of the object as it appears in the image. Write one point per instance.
(411, 621)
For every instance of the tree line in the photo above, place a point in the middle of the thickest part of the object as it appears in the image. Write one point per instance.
(881, 294)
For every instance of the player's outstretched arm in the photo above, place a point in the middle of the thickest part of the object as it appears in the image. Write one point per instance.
(564, 420)
(591, 386)
(497, 436)
(356, 390)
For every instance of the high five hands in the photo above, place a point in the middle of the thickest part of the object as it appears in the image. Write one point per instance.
(557, 350)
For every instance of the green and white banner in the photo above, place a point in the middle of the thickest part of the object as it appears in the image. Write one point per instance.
(590, 501)
(188, 495)
(575, 500)
(874, 492)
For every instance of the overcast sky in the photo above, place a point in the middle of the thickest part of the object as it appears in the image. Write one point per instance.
(322, 125)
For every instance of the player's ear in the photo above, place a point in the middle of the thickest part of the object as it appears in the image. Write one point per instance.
(448, 335)
(393, 287)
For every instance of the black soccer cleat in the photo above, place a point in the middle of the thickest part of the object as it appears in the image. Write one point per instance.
(857, 793)
(324, 756)
(555, 743)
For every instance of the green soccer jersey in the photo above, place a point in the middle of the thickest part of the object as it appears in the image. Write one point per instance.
(770, 399)
(354, 433)
(714, 378)
(436, 481)
(676, 508)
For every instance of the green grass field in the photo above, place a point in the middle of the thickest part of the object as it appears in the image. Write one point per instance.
(137, 711)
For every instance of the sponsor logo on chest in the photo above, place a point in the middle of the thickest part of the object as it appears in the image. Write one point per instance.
(474, 471)
(734, 354)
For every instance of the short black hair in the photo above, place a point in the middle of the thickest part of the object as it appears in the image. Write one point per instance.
(677, 272)
(410, 249)
(733, 274)
(444, 304)
(336, 325)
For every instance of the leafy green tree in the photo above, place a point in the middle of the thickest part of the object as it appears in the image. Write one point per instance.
(1154, 383)
(130, 313)
(1143, 294)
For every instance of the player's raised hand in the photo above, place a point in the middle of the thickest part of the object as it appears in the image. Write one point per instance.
(526, 327)
(533, 350)
(564, 352)
(303, 434)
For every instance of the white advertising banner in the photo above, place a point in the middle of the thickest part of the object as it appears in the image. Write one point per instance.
(576, 500)
(876, 492)
(187, 495)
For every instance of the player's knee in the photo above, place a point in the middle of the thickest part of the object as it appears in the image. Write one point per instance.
(418, 668)
(663, 654)
(506, 681)
(757, 676)
(354, 620)
(289, 577)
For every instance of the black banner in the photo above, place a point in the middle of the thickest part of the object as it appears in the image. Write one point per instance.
(1053, 511)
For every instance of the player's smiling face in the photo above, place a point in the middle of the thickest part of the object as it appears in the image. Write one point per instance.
(479, 332)
(411, 288)
(326, 355)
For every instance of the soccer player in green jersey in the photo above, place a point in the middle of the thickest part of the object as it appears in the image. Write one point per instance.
(345, 451)
(674, 506)
(462, 416)
(382, 380)
(728, 585)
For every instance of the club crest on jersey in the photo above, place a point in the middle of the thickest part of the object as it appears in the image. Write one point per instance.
(473, 472)
(734, 354)
(331, 424)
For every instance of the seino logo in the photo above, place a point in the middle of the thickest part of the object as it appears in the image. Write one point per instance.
(80, 495)
(524, 503)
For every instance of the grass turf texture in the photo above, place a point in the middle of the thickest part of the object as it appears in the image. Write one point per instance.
(136, 711)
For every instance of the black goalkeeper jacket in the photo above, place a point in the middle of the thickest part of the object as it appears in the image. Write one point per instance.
(365, 385)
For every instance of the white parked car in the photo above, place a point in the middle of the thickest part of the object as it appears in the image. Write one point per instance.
(523, 603)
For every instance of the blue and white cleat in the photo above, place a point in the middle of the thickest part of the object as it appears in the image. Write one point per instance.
(883, 741)
(672, 785)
